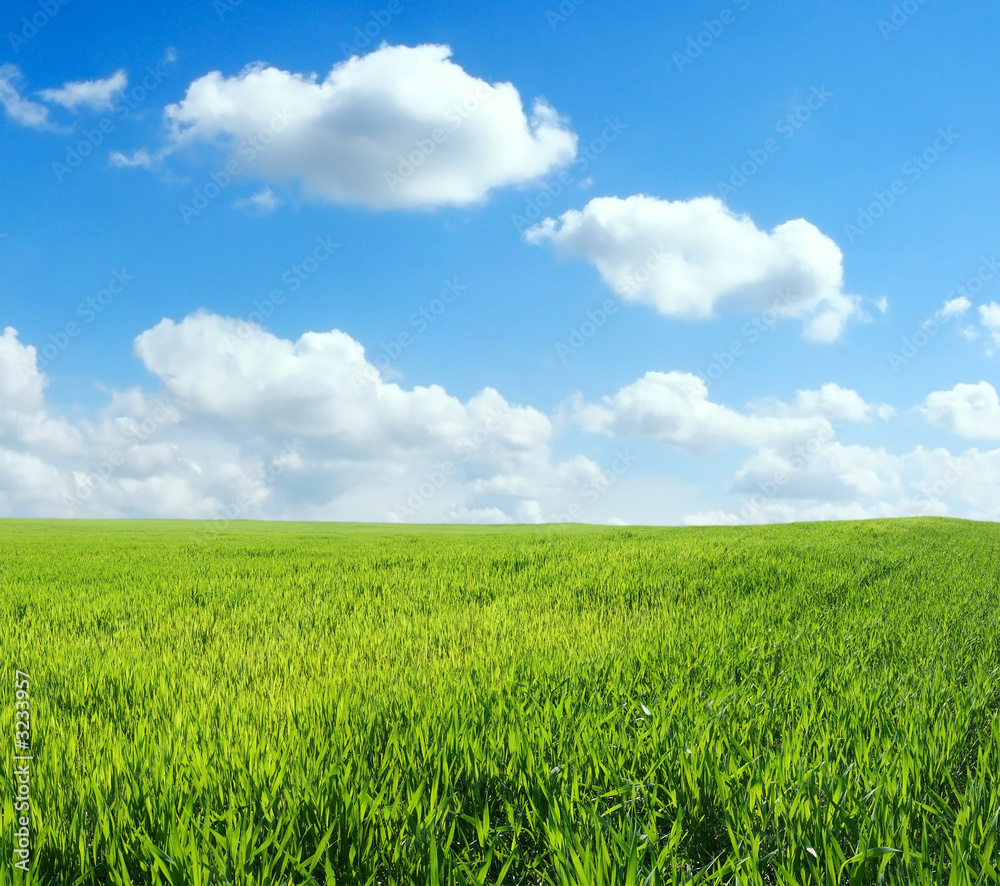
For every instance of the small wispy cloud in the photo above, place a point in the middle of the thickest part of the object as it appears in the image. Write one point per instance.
(22, 110)
(98, 95)
(263, 202)
(955, 307)
(140, 159)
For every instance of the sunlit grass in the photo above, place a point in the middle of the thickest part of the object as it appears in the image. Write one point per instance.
(294, 703)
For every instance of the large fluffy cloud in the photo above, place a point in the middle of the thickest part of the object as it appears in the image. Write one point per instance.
(693, 258)
(830, 400)
(399, 127)
(21, 385)
(247, 424)
(832, 472)
(970, 410)
(319, 387)
(674, 408)
(243, 423)
(799, 469)
(834, 481)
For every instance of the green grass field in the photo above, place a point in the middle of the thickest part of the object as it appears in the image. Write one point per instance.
(323, 703)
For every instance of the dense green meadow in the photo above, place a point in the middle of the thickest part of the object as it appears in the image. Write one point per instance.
(329, 703)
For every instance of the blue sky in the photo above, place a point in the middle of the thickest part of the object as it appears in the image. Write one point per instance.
(592, 248)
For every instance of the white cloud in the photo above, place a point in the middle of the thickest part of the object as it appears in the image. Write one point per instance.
(798, 469)
(98, 95)
(839, 482)
(832, 471)
(831, 400)
(139, 159)
(989, 316)
(23, 415)
(263, 202)
(247, 424)
(248, 379)
(488, 516)
(19, 109)
(258, 426)
(969, 410)
(399, 127)
(673, 408)
(954, 307)
(782, 512)
(693, 258)
(22, 387)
